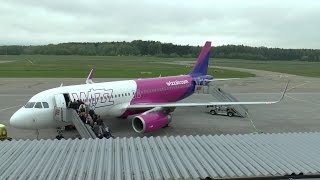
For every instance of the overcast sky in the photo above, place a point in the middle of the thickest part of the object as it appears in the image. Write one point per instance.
(271, 23)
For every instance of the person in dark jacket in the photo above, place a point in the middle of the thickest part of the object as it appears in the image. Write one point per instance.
(99, 120)
(83, 117)
(107, 133)
(100, 133)
(95, 128)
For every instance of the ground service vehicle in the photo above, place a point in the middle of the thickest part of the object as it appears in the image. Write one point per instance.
(3, 133)
(223, 110)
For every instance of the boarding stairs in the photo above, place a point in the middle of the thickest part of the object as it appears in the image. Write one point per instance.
(84, 130)
(221, 95)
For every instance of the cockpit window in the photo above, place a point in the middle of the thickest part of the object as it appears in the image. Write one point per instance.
(29, 105)
(45, 104)
(38, 105)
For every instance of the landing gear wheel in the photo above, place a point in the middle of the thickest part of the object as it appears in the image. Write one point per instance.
(230, 114)
(213, 112)
(59, 136)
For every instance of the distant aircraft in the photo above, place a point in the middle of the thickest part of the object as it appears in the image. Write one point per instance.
(148, 101)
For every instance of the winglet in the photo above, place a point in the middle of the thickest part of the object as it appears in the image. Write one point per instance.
(90, 77)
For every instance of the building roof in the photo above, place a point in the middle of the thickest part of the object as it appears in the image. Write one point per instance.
(180, 157)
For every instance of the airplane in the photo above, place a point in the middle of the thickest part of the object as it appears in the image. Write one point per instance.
(149, 102)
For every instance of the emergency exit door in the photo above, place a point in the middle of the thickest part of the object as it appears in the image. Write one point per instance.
(60, 109)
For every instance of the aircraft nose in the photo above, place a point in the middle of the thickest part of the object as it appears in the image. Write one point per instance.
(18, 119)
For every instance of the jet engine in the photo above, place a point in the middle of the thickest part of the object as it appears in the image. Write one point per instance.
(150, 122)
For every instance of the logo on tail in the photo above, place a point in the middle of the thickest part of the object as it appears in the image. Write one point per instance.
(201, 66)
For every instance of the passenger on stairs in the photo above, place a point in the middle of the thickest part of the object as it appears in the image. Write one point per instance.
(82, 108)
(89, 120)
(95, 128)
(69, 104)
(78, 104)
(73, 105)
(100, 133)
(91, 112)
(82, 116)
(99, 120)
(107, 133)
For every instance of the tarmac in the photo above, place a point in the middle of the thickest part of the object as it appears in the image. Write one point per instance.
(298, 112)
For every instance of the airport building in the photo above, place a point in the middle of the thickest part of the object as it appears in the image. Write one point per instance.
(286, 155)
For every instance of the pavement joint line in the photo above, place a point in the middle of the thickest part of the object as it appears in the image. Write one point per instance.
(9, 108)
(252, 123)
(301, 100)
(297, 86)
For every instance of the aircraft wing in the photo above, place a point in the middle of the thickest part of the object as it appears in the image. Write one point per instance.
(222, 79)
(167, 105)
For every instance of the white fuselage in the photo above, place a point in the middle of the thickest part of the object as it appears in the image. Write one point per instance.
(106, 99)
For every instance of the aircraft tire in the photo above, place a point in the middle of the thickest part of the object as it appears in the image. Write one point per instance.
(230, 114)
(213, 112)
(59, 137)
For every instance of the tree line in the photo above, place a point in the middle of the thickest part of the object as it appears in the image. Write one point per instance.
(156, 48)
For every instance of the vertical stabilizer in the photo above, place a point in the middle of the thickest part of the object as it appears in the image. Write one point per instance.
(90, 77)
(201, 66)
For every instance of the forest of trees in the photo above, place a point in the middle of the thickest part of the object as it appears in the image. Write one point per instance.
(156, 48)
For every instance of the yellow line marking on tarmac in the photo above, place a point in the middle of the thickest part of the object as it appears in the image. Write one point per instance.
(297, 86)
(301, 100)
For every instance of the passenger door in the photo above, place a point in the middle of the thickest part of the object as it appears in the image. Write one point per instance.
(60, 108)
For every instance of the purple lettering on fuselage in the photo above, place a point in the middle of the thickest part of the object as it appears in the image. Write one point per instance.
(95, 98)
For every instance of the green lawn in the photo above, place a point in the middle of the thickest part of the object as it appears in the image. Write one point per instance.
(105, 66)
(310, 69)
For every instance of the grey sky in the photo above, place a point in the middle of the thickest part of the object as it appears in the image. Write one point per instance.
(272, 23)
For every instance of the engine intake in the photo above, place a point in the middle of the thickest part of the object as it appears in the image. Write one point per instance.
(150, 122)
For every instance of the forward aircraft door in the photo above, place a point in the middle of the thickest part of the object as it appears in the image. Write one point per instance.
(60, 109)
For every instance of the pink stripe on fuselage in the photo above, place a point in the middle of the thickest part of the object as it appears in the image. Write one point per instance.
(160, 90)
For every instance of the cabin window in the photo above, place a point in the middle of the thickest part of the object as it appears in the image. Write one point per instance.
(29, 104)
(38, 105)
(45, 104)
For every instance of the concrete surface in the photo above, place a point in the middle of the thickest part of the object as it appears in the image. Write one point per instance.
(298, 112)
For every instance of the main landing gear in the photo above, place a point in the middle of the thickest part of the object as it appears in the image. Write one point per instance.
(59, 131)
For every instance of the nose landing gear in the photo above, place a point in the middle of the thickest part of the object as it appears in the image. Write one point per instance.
(59, 131)
(37, 134)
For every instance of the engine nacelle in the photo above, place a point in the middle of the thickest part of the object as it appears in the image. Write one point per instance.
(150, 122)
